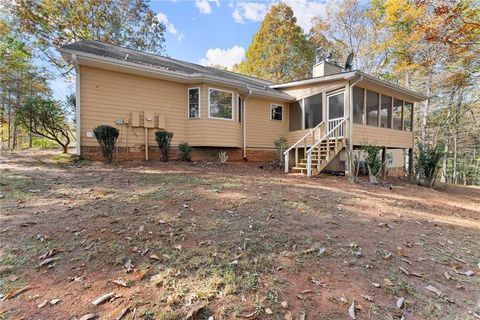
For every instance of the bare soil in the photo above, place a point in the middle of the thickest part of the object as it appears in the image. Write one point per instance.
(232, 241)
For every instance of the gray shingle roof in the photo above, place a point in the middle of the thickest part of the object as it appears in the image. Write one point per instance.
(160, 62)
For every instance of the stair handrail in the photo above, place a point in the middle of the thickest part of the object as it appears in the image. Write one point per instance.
(327, 135)
(286, 152)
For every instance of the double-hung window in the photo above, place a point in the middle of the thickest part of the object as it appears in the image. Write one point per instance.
(276, 112)
(194, 103)
(220, 104)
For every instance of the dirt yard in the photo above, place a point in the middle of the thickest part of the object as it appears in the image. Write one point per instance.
(205, 241)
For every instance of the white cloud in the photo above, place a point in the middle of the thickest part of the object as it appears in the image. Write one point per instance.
(305, 11)
(249, 11)
(203, 6)
(162, 17)
(223, 57)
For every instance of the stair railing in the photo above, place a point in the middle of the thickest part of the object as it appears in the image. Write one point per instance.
(336, 130)
(311, 133)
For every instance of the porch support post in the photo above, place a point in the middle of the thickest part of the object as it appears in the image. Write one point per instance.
(410, 165)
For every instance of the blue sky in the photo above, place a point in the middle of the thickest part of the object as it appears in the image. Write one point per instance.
(213, 32)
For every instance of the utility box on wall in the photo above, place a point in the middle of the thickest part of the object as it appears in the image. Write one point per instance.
(149, 119)
(161, 122)
(135, 119)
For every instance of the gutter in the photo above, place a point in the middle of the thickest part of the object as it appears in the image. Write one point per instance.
(78, 132)
(244, 115)
(180, 77)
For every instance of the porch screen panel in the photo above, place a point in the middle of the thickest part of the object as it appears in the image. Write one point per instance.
(386, 112)
(397, 114)
(358, 105)
(336, 106)
(372, 108)
(313, 111)
(295, 116)
(407, 116)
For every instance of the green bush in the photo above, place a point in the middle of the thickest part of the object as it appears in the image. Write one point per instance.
(164, 138)
(107, 138)
(185, 151)
(280, 146)
(373, 161)
(427, 160)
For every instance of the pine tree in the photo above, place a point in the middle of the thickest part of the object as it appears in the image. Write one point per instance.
(279, 51)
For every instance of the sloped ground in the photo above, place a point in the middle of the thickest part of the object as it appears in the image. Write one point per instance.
(232, 241)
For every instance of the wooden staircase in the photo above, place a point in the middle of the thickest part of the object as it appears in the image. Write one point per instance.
(321, 156)
(320, 145)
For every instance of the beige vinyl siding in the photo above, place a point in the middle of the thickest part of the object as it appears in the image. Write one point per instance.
(304, 91)
(108, 95)
(261, 130)
(381, 136)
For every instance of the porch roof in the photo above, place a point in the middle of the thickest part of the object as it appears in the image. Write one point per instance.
(364, 78)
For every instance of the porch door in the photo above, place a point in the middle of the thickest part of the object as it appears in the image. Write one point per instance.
(335, 109)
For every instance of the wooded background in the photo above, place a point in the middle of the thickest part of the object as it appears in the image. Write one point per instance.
(430, 46)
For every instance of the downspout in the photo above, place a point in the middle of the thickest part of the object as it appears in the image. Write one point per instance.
(244, 115)
(77, 103)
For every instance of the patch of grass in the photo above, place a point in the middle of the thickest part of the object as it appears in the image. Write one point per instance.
(250, 281)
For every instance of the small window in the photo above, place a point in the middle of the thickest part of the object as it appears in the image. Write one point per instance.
(407, 116)
(276, 112)
(240, 106)
(220, 104)
(194, 103)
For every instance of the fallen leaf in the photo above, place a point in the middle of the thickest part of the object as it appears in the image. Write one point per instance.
(404, 271)
(48, 261)
(88, 316)
(194, 310)
(129, 265)
(118, 313)
(400, 302)
(103, 298)
(368, 298)
(49, 254)
(447, 275)
(388, 282)
(288, 316)
(434, 290)
(376, 285)
(15, 292)
(284, 304)
(55, 301)
(120, 282)
(469, 273)
(268, 311)
(43, 304)
(302, 316)
(351, 311)
(154, 257)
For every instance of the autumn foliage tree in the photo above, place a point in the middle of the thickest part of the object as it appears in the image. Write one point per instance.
(53, 23)
(279, 51)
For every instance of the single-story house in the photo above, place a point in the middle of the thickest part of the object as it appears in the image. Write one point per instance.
(216, 110)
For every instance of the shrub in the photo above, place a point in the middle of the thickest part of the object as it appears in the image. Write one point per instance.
(107, 138)
(185, 151)
(280, 146)
(373, 161)
(164, 138)
(223, 157)
(427, 160)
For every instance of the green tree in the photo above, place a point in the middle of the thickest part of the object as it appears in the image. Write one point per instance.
(46, 118)
(279, 51)
(53, 23)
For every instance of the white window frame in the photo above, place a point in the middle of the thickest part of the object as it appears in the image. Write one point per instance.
(232, 105)
(199, 103)
(272, 105)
